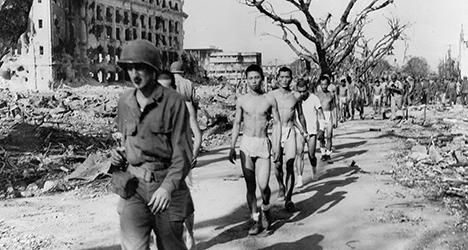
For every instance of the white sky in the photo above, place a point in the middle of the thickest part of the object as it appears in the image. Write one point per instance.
(232, 26)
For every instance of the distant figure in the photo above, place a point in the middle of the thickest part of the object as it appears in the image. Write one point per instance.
(395, 90)
(377, 91)
(352, 96)
(451, 91)
(183, 85)
(464, 90)
(360, 94)
(343, 95)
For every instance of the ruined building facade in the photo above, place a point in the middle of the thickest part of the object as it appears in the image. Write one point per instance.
(81, 40)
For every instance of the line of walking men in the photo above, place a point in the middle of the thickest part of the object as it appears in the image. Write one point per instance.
(158, 126)
(299, 117)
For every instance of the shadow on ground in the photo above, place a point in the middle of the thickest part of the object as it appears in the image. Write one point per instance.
(310, 243)
(324, 198)
(115, 247)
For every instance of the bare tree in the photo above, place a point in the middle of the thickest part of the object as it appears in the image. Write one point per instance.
(370, 58)
(14, 19)
(332, 45)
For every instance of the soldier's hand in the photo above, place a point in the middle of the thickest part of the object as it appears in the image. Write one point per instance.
(117, 156)
(232, 155)
(160, 200)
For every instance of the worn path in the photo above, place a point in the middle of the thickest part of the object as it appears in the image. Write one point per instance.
(350, 206)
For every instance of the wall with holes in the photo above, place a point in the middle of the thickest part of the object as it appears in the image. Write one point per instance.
(79, 41)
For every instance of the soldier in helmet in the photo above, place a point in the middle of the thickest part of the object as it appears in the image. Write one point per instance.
(184, 86)
(154, 122)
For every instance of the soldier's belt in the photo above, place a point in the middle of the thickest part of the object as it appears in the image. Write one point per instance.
(146, 170)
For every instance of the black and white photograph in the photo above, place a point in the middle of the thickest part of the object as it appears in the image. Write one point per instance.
(233, 124)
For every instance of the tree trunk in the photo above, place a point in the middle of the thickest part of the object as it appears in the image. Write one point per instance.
(325, 67)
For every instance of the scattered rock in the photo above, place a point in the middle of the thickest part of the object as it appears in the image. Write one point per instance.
(450, 120)
(49, 186)
(460, 157)
(27, 193)
(32, 187)
(418, 153)
(434, 155)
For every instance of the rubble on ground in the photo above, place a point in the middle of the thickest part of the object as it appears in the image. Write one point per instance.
(434, 156)
(216, 113)
(45, 137)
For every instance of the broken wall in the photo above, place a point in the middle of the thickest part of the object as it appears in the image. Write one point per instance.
(84, 38)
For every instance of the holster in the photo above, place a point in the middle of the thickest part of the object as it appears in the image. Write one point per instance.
(124, 184)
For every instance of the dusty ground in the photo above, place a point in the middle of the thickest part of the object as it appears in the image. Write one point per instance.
(351, 206)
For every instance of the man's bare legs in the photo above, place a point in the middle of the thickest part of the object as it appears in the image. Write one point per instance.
(311, 144)
(262, 170)
(328, 137)
(289, 155)
(325, 139)
(279, 175)
(351, 107)
(256, 171)
(299, 160)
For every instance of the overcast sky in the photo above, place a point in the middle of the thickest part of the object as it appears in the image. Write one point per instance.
(232, 26)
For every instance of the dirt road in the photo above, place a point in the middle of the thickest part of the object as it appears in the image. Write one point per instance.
(350, 206)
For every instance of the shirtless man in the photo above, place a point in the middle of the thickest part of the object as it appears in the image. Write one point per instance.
(343, 95)
(288, 102)
(352, 96)
(325, 134)
(254, 108)
(312, 114)
(360, 98)
(332, 87)
(377, 91)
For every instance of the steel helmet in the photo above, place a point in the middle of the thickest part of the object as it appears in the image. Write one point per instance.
(176, 67)
(140, 51)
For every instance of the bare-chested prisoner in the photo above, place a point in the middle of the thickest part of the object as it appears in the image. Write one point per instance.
(325, 133)
(288, 102)
(343, 95)
(377, 91)
(254, 108)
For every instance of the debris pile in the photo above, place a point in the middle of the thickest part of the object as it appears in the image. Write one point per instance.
(217, 105)
(45, 136)
(434, 157)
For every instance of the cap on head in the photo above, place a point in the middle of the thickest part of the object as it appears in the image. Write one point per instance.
(140, 51)
(176, 67)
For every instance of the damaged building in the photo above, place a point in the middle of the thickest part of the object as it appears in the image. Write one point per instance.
(78, 41)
